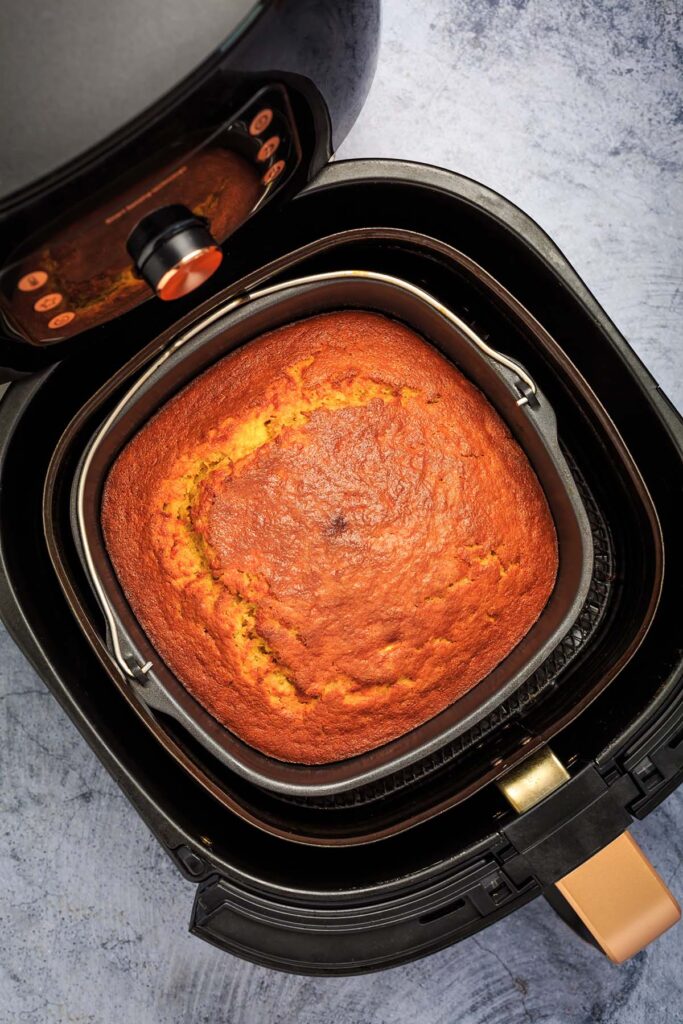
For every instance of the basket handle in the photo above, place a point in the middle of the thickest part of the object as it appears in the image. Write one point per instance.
(617, 895)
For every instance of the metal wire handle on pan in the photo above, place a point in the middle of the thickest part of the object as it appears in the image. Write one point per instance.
(185, 336)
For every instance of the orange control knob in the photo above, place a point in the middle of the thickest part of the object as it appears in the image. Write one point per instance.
(173, 251)
(192, 270)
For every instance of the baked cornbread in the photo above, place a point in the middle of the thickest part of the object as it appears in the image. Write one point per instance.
(329, 536)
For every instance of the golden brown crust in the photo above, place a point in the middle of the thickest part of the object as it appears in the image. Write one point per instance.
(329, 536)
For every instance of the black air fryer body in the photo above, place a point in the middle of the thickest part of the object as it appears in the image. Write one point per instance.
(402, 866)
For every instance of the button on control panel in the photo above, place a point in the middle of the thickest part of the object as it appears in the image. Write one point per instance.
(47, 302)
(30, 282)
(269, 147)
(273, 172)
(262, 121)
(61, 320)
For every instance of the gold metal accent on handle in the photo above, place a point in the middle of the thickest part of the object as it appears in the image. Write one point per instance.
(616, 893)
(533, 779)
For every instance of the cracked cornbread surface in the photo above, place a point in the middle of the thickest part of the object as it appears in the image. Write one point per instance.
(329, 536)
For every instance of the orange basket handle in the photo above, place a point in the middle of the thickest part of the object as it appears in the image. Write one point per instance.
(617, 894)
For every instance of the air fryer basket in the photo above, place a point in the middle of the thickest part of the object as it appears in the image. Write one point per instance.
(508, 387)
(611, 713)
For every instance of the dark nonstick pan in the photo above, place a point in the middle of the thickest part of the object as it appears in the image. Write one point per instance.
(507, 386)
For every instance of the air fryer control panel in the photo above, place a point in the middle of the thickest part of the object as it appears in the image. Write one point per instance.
(81, 275)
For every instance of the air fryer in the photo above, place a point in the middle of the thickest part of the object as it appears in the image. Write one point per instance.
(142, 244)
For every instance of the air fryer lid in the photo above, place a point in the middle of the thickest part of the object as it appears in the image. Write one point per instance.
(75, 72)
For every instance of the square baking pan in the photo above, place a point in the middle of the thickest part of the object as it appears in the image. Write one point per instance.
(507, 386)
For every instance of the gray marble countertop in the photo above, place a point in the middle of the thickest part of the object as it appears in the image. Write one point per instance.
(575, 112)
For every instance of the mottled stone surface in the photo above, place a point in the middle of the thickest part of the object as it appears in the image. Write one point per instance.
(574, 111)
